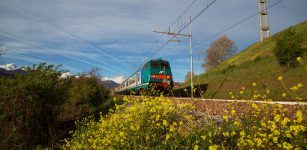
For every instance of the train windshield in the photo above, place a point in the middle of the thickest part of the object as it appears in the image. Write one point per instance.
(164, 64)
(155, 64)
(160, 64)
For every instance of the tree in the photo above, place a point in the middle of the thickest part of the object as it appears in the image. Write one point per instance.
(188, 76)
(218, 51)
(287, 48)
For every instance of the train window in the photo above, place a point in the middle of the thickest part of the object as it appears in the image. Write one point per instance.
(155, 64)
(165, 64)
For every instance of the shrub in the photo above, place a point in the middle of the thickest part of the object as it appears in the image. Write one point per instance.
(29, 106)
(85, 95)
(288, 48)
(39, 108)
(154, 122)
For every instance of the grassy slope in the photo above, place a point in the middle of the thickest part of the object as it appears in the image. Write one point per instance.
(255, 64)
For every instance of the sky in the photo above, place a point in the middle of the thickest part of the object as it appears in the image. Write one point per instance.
(116, 36)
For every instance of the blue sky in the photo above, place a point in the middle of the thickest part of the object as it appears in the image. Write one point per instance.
(116, 36)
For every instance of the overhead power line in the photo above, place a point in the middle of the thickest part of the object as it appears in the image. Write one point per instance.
(76, 38)
(58, 53)
(100, 13)
(236, 24)
(181, 29)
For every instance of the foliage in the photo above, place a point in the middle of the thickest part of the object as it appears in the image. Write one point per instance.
(188, 76)
(37, 108)
(218, 51)
(159, 123)
(288, 48)
(155, 122)
(85, 94)
(29, 106)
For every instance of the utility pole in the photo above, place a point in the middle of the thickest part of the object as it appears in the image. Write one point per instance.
(263, 13)
(191, 51)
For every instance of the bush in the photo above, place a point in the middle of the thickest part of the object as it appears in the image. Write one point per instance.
(29, 106)
(288, 48)
(85, 95)
(159, 123)
(39, 108)
(155, 122)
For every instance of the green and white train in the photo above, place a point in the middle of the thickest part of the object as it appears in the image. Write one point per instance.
(155, 74)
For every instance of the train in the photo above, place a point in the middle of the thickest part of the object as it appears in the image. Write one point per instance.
(154, 75)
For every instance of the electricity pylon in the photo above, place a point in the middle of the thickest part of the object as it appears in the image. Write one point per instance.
(263, 13)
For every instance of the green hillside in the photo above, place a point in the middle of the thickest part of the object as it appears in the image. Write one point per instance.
(256, 64)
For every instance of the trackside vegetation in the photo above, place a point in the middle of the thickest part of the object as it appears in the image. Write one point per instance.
(161, 123)
(39, 108)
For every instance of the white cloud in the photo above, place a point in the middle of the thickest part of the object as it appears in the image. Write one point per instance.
(117, 79)
(8, 66)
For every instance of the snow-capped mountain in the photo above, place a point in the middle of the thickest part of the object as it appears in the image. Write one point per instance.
(8, 66)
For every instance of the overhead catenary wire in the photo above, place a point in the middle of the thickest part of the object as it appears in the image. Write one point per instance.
(180, 30)
(58, 53)
(229, 27)
(236, 24)
(99, 13)
(75, 38)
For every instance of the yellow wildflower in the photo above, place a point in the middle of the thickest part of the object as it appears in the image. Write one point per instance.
(236, 123)
(167, 136)
(299, 85)
(226, 134)
(242, 133)
(254, 84)
(213, 147)
(196, 147)
(279, 78)
(241, 92)
(255, 106)
(233, 133)
(283, 94)
(299, 58)
(277, 118)
(165, 123)
(171, 129)
(285, 121)
(226, 117)
(233, 112)
(286, 145)
(203, 137)
(299, 116)
(294, 88)
(121, 134)
(275, 139)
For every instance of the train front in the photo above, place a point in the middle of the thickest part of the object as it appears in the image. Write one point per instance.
(161, 75)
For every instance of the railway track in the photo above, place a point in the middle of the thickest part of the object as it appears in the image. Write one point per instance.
(243, 101)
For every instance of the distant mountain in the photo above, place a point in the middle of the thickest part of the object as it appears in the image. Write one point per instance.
(109, 84)
(8, 66)
(6, 73)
